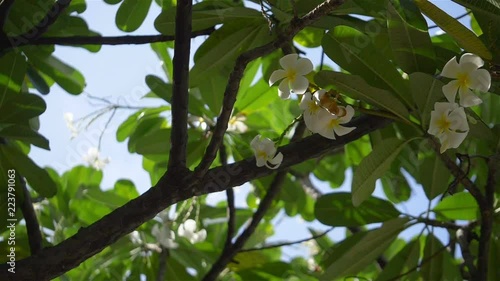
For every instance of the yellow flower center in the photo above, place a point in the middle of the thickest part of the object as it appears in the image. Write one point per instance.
(313, 108)
(291, 74)
(443, 123)
(463, 80)
(333, 123)
(261, 154)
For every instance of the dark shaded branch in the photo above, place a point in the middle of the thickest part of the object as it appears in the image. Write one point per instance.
(231, 211)
(180, 86)
(235, 77)
(162, 266)
(487, 212)
(110, 40)
(463, 239)
(447, 225)
(264, 205)
(278, 245)
(32, 226)
(51, 262)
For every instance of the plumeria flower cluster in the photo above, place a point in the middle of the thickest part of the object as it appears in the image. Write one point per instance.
(93, 158)
(448, 119)
(166, 237)
(321, 111)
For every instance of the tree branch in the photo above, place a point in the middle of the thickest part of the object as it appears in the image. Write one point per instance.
(180, 86)
(264, 205)
(278, 245)
(32, 226)
(162, 266)
(235, 77)
(487, 212)
(231, 211)
(109, 40)
(51, 262)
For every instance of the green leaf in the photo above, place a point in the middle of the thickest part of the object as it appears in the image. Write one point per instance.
(434, 176)
(126, 189)
(161, 50)
(155, 142)
(395, 185)
(131, 14)
(353, 51)
(159, 87)
(373, 167)
(459, 206)
(37, 80)
(336, 209)
(19, 108)
(68, 26)
(37, 177)
(26, 134)
(355, 87)
(464, 37)
(12, 71)
(107, 198)
(66, 76)
(426, 91)
(439, 263)
(365, 251)
(403, 262)
(411, 46)
(203, 19)
(309, 37)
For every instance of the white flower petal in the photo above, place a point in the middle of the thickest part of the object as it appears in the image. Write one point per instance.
(284, 89)
(471, 58)
(289, 61)
(299, 86)
(202, 235)
(451, 68)
(306, 99)
(276, 76)
(450, 90)
(480, 80)
(190, 225)
(348, 116)
(341, 130)
(468, 99)
(304, 66)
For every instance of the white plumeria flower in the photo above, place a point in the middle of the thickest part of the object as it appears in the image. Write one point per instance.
(468, 77)
(68, 117)
(135, 237)
(265, 152)
(188, 230)
(294, 69)
(237, 124)
(328, 124)
(92, 157)
(311, 107)
(449, 124)
(165, 236)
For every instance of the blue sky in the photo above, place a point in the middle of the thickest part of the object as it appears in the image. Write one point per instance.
(117, 73)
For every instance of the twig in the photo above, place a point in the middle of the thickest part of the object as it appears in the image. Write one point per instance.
(109, 40)
(436, 223)
(180, 86)
(278, 245)
(231, 211)
(236, 75)
(463, 238)
(162, 266)
(32, 226)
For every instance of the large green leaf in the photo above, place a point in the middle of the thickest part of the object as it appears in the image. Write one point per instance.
(66, 76)
(411, 46)
(460, 206)
(354, 52)
(434, 176)
(437, 263)
(464, 37)
(336, 209)
(19, 108)
(37, 177)
(12, 71)
(38, 81)
(373, 167)
(131, 14)
(357, 88)
(365, 251)
(67, 26)
(426, 91)
(159, 87)
(161, 50)
(155, 142)
(26, 134)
